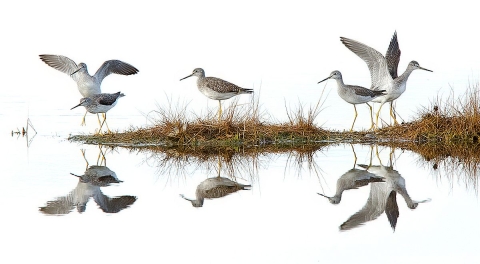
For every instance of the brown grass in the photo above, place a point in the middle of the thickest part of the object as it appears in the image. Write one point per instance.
(454, 120)
(241, 124)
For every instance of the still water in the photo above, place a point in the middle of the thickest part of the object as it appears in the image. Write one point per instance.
(68, 202)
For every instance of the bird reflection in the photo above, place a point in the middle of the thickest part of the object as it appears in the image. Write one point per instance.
(216, 187)
(89, 185)
(353, 179)
(382, 197)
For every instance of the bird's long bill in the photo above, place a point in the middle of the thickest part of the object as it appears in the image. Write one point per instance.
(323, 195)
(421, 68)
(186, 77)
(75, 71)
(423, 201)
(325, 79)
(76, 106)
(183, 196)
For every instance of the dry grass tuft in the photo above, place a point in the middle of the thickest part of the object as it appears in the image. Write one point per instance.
(449, 121)
(241, 124)
(454, 120)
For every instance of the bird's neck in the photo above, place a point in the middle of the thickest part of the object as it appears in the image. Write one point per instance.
(406, 197)
(340, 82)
(405, 75)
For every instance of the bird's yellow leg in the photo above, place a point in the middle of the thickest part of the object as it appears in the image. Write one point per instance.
(219, 165)
(354, 108)
(378, 156)
(354, 156)
(392, 114)
(101, 160)
(219, 110)
(378, 114)
(371, 156)
(98, 118)
(105, 120)
(371, 117)
(83, 119)
(83, 154)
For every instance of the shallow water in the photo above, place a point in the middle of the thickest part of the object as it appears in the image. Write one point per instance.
(281, 219)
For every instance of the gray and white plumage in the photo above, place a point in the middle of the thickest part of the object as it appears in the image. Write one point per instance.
(87, 84)
(352, 179)
(215, 88)
(383, 72)
(395, 182)
(99, 103)
(353, 94)
(382, 198)
(89, 186)
(393, 56)
(216, 187)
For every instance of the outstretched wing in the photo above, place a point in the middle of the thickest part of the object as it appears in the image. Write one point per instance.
(61, 63)
(391, 209)
(393, 56)
(114, 66)
(375, 61)
(115, 204)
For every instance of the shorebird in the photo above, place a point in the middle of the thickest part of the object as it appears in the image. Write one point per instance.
(215, 188)
(352, 179)
(100, 103)
(87, 84)
(88, 186)
(216, 89)
(354, 94)
(383, 70)
(395, 182)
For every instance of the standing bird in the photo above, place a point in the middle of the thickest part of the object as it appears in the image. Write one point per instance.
(354, 94)
(383, 71)
(100, 103)
(216, 89)
(87, 85)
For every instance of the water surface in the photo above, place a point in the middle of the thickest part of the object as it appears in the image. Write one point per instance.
(280, 219)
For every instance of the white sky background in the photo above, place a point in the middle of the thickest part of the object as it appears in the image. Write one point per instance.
(282, 47)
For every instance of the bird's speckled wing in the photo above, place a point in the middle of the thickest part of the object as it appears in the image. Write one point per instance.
(114, 66)
(393, 56)
(366, 92)
(391, 209)
(113, 205)
(107, 99)
(61, 205)
(221, 86)
(376, 63)
(61, 63)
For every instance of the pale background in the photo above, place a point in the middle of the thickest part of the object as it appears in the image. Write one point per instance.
(281, 49)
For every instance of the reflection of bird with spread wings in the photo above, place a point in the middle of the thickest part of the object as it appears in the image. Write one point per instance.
(382, 198)
(215, 188)
(89, 186)
(352, 179)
